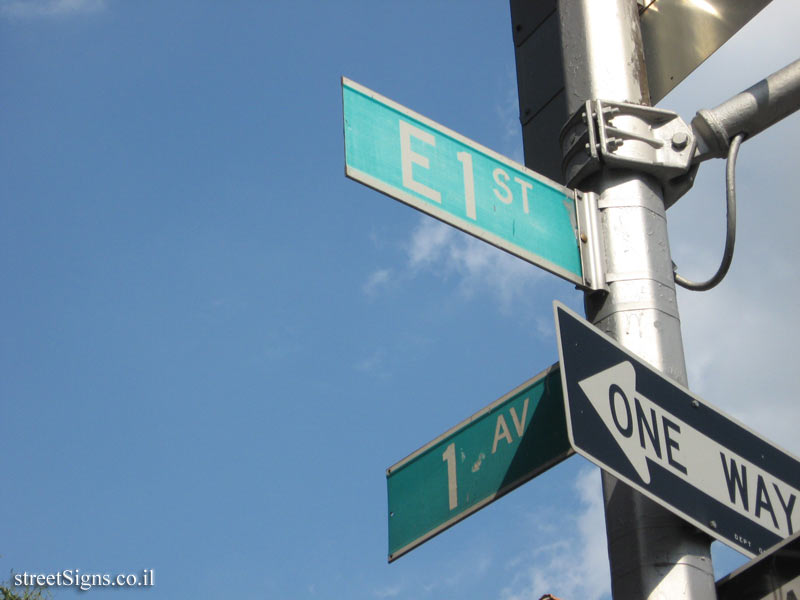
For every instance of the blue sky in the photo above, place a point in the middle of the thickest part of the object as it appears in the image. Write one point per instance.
(214, 343)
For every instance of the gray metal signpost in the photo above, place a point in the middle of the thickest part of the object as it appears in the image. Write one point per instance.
(652, 553)
(613, 147)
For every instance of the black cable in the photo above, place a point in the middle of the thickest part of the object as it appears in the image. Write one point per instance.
(730, 238)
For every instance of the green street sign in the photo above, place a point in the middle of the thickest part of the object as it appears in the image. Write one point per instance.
(496, 450)
(443, 174)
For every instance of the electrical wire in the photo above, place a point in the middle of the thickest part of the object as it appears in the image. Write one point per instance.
(730, 237)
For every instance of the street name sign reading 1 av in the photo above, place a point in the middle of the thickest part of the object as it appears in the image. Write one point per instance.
(443, 174)
(673, 447)
(476, 462)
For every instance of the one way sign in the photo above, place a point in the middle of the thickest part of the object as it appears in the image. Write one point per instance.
(670, 445)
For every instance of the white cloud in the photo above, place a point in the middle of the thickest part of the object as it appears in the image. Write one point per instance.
(374, 364)
(575, 565)
(465, 571)
(478, 266)
(429, 242)
(377, 280)
(387, 592)
(49, 8)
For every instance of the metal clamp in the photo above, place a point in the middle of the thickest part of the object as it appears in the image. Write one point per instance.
(622, 135)
(590, 237)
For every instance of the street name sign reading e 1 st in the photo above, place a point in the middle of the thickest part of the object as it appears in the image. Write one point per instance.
(672, 446)
(443, 174)
(476, 462)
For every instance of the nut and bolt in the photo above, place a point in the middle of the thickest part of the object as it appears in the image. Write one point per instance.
(680, 140)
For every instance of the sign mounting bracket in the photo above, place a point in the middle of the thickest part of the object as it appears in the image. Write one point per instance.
(590, 236)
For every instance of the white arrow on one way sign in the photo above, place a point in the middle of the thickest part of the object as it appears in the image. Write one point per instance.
(647, 432)
(678, 450)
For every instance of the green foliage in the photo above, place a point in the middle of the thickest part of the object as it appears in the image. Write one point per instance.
(9, 591)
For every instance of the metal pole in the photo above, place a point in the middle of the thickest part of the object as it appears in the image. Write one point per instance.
(653, 553)
(750, 112)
